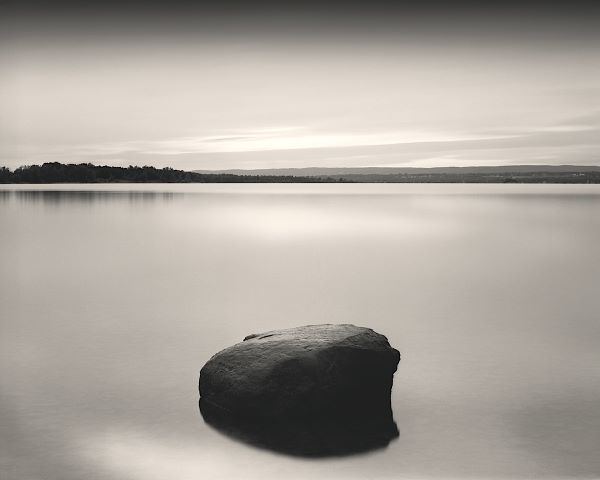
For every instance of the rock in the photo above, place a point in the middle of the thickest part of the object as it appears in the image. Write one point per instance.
(314, 371)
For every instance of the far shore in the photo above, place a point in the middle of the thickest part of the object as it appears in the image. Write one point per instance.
(57, 173)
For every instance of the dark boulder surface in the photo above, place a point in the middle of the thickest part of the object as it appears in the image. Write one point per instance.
(313, 390)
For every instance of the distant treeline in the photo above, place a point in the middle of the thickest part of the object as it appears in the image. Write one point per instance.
(87, 173)
(55, 172)
(475, 177)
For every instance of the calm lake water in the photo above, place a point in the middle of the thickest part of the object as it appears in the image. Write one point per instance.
(112, 297)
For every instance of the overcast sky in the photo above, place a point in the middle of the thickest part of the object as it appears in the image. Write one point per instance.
(262, 87)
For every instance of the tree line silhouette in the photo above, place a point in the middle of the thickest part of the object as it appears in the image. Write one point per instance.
(55, 172)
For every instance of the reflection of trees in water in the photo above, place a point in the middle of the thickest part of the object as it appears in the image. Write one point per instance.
(74, 196)
(318, 436)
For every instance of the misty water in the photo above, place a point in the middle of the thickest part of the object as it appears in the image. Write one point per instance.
(112, 297)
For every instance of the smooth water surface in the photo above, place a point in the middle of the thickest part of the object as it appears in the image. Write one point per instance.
(112, 297)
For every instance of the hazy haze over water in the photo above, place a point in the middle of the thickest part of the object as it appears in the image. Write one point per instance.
(112, 298)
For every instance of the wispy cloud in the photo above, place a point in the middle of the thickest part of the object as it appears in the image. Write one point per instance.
(288, 138)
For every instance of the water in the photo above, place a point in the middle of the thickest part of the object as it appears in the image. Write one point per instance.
(113, 297)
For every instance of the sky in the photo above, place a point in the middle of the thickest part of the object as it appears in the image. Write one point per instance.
(300, 85)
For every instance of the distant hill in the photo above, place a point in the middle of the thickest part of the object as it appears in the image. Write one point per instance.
(337, 171)
(87, 173)
(495, 174)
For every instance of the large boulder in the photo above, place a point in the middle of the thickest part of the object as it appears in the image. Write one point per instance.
(317, 390)
(303, 372)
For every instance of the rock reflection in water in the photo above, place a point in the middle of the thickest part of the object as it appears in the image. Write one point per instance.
(307, 437)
